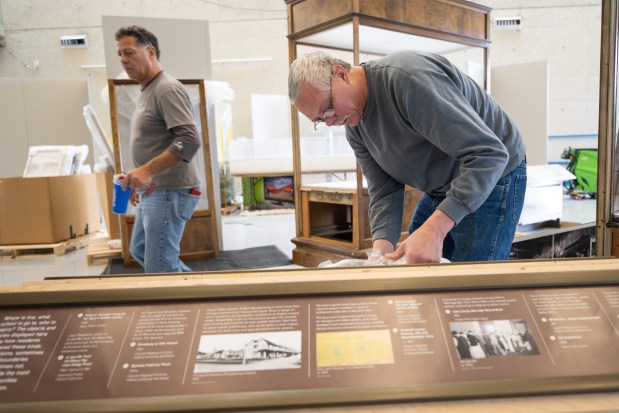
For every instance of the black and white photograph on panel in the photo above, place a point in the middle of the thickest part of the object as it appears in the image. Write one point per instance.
(493, 338)
(251, 351)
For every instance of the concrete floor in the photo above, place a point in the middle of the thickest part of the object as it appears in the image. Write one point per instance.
(238, 232)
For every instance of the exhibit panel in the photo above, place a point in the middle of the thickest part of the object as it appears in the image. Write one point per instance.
(311, 337)
(458, 30)
(201, 236)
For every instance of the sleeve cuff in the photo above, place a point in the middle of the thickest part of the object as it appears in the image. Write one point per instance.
(455, 209)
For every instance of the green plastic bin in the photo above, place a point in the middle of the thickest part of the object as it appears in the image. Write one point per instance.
(586, 170)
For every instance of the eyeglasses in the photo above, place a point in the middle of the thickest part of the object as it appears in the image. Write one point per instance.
(329, 112)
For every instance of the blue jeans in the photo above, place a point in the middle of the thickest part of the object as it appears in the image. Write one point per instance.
(487, 233)
(158, 228)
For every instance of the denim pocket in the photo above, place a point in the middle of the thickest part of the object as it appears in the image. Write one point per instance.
(186, 205)
(520, 188)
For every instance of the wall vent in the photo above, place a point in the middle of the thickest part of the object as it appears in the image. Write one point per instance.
(74, 41)
(508, 23)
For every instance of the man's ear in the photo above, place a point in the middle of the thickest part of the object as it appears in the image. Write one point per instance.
(340, 72)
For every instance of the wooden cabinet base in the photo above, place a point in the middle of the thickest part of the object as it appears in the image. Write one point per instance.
(310, 253)
(331, 230)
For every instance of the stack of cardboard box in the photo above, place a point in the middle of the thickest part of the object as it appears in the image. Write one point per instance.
(48, 209)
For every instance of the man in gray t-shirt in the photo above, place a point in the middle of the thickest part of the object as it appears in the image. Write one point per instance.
(164, 140)
(415, 119)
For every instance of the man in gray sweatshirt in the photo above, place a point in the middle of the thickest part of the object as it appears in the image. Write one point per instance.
(415, 119)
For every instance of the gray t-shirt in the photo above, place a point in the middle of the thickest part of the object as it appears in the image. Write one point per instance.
(429, 126)
(164, 106)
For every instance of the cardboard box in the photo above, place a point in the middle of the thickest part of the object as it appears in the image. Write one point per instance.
(106, 195)
(543, 200)
(47, 210)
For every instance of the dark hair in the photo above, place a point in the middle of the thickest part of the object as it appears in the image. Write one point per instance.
(141, 35)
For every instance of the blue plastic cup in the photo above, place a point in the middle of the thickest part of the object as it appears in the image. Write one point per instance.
(120, 200)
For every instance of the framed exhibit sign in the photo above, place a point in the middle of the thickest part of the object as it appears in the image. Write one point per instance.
(251, 350)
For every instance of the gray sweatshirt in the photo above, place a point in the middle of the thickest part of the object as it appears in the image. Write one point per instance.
(430, 126)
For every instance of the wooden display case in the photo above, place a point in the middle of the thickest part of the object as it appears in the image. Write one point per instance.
(201, 236)
(330, 228)
(332, 223)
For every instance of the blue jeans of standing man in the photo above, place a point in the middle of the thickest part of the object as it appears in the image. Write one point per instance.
(487, 233)
(158, 228)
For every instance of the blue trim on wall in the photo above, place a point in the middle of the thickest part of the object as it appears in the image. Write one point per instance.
(583, 135)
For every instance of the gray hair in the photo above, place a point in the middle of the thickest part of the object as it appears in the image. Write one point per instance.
(142, 37)
(313, 68)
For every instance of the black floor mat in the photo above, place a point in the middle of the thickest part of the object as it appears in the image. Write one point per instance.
(249, 258)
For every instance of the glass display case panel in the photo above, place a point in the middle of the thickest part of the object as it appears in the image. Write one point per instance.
(614, 178)
(331, 141)
(126, 95)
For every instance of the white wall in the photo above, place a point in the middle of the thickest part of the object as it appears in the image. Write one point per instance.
(37, 112)
(239, 29)
(522, 90)
(565, 33)
(189, 59)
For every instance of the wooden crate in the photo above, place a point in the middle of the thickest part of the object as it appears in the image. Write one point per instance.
(99, 251)
(58, 248)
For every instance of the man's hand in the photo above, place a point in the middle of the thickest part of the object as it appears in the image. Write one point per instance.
(142, 177)
(382, 246)
(134, 197)
(138, 178)
(426, 243)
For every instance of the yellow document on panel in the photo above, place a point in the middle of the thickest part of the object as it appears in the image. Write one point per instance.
(353, 348)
